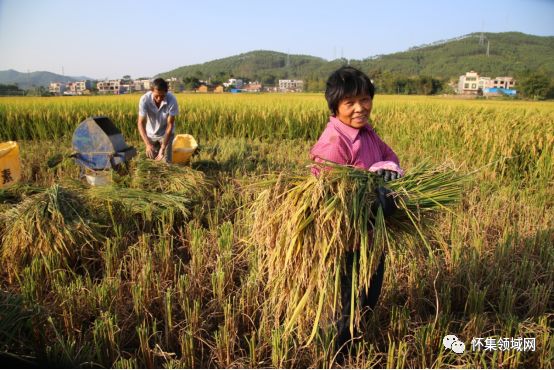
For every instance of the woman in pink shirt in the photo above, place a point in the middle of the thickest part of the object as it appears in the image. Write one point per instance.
(349, 139)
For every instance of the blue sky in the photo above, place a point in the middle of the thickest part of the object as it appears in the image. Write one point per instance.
(112, 38)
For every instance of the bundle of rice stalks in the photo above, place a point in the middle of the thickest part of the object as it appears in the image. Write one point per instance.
(149, 204)
(14, 194)
(53, 221)
(162, 177)
(306, 224)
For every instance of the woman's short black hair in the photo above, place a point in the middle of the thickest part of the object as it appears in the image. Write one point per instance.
(347, 82)
(159, 84)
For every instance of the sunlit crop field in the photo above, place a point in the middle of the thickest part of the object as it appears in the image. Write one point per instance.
(129, 279)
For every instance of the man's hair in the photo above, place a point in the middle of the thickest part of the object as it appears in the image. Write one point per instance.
(347, 82)
(159, 84)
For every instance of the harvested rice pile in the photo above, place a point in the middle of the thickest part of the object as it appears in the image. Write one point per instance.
(50, 222)
(162, 177)
(70, 222)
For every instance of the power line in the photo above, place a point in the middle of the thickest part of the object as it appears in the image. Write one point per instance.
(482, 39)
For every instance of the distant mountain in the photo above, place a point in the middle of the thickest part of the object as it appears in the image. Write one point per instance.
(509, 53)
(40, 78)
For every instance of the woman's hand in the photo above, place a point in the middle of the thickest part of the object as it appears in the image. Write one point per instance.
(388, 174)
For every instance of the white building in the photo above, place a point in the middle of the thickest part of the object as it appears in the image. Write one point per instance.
(78, 87)
(56, 88)
(141, 85)
(483, 82)
(472, 84)
(238, 83)
(253, 86)
(468, 84)
(502, 83)
(291, 85)
(111, 87)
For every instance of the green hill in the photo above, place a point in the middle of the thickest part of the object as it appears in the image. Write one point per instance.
(267, 66)
(510, 53)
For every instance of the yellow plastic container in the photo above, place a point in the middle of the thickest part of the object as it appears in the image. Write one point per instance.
(10, 164)
(184, 146)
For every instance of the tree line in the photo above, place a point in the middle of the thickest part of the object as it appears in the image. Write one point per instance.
(535, 85)
(388, 83)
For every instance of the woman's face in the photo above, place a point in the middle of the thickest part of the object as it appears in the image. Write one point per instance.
(355, 111)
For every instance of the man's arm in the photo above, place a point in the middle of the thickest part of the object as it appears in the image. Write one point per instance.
(167, 137)
(141, 123)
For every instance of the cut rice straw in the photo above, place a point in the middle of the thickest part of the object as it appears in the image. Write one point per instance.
(50, 222)
(168, 178)
(304, 225)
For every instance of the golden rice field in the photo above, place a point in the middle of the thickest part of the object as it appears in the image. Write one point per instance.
(161, 270)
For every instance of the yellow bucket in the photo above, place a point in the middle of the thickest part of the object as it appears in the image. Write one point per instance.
(184, 146)
(10, 164)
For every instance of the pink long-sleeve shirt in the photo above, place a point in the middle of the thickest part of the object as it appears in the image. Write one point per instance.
(346, 145)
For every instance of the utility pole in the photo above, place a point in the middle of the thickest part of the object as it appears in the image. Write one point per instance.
(488, 47)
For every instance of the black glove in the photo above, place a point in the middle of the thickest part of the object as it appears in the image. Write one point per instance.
(388, 174)
(384, 200)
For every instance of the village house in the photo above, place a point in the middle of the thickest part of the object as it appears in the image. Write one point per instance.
(473, 84)
(237, 83)
(209, 88)
(253, 86)
(113, 87)
(291, 85)
(78, 87)
(141, 85)
(70, 88)
(202, 89)
(502, 83)
(56, 88)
